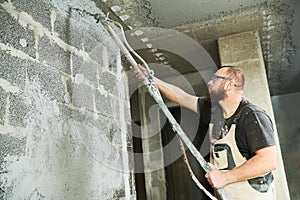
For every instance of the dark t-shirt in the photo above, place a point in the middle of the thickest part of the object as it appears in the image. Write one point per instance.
(254, 128)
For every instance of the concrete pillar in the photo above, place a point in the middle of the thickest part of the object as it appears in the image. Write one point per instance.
(244, 50)
(155, 183)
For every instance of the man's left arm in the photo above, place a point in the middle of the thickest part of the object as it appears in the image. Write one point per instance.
(261, 163)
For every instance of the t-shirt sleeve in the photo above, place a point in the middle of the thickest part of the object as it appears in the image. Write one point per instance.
(204, 109)
(258, 131)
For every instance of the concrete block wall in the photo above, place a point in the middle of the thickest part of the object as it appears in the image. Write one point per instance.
(64, 115)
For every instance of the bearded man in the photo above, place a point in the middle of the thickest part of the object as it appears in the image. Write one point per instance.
(242, 150)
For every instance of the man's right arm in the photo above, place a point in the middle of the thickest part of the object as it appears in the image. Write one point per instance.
(173, 93)
(177, 95)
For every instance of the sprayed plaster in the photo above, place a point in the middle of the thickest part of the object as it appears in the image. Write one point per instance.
(55, 163)
(59, 149)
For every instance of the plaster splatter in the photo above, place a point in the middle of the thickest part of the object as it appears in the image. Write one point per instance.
(55, 163)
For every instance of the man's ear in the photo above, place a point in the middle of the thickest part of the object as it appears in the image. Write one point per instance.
(227, 86)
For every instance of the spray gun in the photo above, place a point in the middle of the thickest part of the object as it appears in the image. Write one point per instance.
(154, 92)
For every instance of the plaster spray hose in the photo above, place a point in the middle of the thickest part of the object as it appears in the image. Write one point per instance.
(154, 92)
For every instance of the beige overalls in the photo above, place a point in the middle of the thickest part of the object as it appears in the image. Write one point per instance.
(224, 154)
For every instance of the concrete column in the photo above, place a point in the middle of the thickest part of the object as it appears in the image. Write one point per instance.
(244, 50)
(155, 182)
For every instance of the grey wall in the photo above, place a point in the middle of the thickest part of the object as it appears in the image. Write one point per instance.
(287, 115)
(64, 115)
(277, 22)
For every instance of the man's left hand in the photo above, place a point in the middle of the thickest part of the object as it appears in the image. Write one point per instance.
(216, 178)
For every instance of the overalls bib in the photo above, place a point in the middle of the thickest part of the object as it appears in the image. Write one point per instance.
(225, 155)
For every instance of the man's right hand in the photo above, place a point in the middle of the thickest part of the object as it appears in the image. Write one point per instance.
(139, 75)
(172, 92)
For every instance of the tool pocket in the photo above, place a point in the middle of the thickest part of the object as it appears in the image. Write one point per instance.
(262, 184)
(223, 157)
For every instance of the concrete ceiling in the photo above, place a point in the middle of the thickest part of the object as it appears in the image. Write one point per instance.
(205, 21)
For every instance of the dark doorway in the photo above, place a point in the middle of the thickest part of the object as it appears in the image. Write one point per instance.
(179, 184)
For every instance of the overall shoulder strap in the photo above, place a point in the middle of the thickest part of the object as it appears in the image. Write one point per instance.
(238, 115)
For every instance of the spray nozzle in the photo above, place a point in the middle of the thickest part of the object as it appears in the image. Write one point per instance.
(100, 17)
(97, 16)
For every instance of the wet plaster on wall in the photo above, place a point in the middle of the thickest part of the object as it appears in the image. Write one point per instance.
(47, 147)
(54, 164)
(134, 13)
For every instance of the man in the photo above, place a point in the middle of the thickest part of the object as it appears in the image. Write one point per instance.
(242, 151)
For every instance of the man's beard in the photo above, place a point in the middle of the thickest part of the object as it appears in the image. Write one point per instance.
(216, 96)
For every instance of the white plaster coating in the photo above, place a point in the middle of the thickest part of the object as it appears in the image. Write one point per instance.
(7, 86)
(138, 32)
(52, 18)
(124, 17)
(161, 58)
(158, 54)
(144, 39)
(80, 79)
(149, 46)
(62, 6)
(55, 164)
(105, 57)
(102, 90)
(115, 8)
(15, 52)
(28, 22)
(121, 83)
(7, 129)
(23, 42)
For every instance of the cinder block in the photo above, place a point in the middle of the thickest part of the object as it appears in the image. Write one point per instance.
(14, 34)
(69, 93)
(119, 194)
(13, 69)
(88, 68)
(54, 55)
(3, 96)
(114, 135)
(79, 31)
(74, 114)
(104, 104)
(83, 96)
(40, 11)
(50, 80)
(104, 124)
(67, 113)
(10, 145)
(17, 110)
(109, 82)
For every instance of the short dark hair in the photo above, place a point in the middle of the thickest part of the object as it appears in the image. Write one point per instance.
(236, 74)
